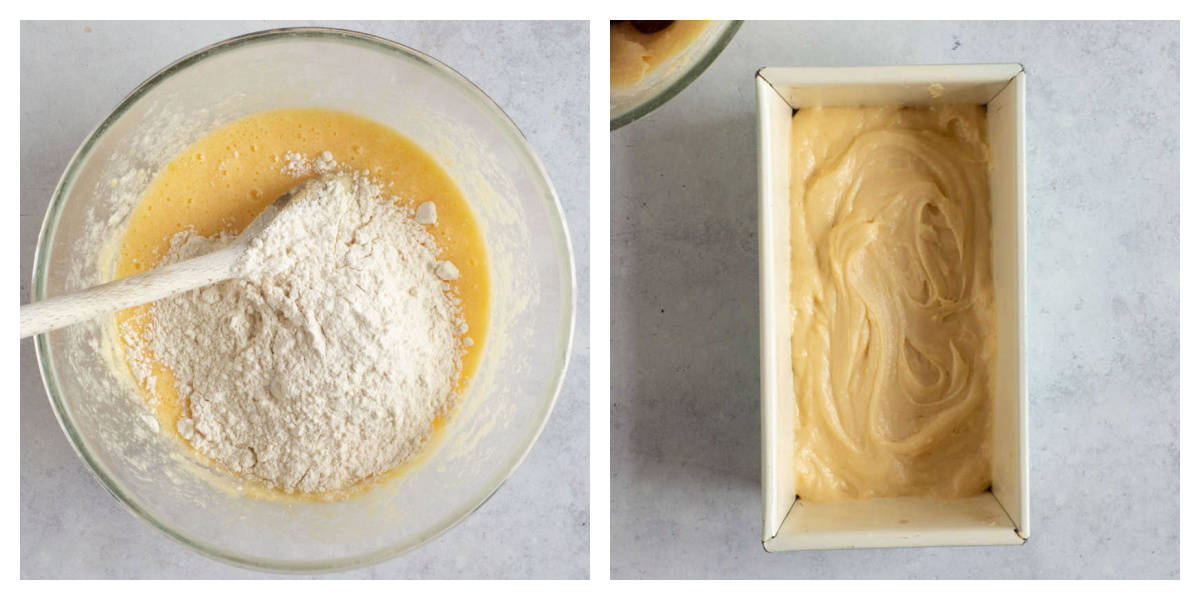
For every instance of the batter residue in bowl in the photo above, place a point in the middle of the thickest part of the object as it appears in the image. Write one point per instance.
(636, 48)
(332, 362)
(892, 295)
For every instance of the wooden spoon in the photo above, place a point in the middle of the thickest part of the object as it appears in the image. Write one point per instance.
(54, 313)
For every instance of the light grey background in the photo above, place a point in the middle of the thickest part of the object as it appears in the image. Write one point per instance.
(535, 526)
(1103, 307)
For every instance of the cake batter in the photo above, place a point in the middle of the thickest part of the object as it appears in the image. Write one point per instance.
(636, 48)
(225, 179)
(893, 302)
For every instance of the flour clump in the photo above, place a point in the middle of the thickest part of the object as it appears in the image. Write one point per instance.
(329, 361)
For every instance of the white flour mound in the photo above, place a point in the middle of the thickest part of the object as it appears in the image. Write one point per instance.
(330, 360)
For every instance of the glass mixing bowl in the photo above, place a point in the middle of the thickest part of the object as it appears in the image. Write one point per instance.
(625, 105)
(532, 304)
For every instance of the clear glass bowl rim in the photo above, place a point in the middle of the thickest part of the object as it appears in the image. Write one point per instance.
(50, 225)
(684, 80)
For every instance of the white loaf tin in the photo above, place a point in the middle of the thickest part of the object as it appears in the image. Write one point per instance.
(999, 516)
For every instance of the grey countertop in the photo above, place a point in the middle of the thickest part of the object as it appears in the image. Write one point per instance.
(1103, 307)
(74, 73)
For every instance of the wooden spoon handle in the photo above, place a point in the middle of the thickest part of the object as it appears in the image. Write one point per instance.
(131, 291)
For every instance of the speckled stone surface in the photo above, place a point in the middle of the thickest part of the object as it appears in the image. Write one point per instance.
(535, 526)
(1103, 307)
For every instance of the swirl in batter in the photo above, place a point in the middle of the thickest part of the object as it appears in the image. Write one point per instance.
(893, 302)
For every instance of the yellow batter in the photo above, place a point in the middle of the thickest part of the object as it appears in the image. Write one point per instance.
(224, 180)
(633, 54)
(891, 287)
